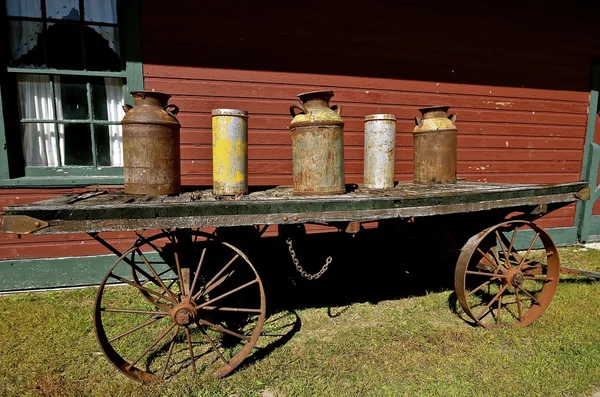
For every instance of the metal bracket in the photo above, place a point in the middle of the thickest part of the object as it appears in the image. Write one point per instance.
(541, 209)
(584, 194)
(20, 224)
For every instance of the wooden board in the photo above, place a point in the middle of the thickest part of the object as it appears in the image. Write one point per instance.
(280, 206)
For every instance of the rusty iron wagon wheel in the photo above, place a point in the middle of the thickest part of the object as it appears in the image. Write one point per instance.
(182, 300)
(497, 285)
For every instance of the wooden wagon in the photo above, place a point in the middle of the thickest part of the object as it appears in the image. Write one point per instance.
(202, 302)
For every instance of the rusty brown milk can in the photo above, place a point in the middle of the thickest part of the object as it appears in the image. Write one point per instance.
(434, 140)
(317, 145)
(151, 145)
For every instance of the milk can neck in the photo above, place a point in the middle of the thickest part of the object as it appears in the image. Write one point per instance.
(150, 98)
(316, 103)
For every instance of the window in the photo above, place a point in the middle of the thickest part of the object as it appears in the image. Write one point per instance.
(65, 79)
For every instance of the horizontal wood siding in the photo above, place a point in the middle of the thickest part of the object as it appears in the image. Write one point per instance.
(516, 74)
(518, 84)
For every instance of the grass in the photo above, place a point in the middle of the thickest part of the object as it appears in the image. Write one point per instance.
(412, 346)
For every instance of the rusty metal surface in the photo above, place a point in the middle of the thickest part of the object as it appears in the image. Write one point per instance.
(20, 224)
(280, 206)
(317, 145)
(490, 261)
(194, 296)
(380, 151)
(230, 151)
(579, 272)
(151, 158)
(435, 146)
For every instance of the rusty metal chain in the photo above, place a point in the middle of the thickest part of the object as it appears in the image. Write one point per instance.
(299, 268)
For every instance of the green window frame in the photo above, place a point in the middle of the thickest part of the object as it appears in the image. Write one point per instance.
(12, 169)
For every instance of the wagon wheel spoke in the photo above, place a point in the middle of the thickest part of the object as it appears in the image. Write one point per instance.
(479, 287)
(153, 271)
(529, 249)
(222, 319)
(151, 321)
(497, 296)
(208, 284)
(518, 300)
(212, 343)
(505, 250)
(171, 346)
(223, 329)
(193, 287)
(154, 343)
(487, 257)
(515, 255)
(142, 288)
(191, 348)
(485, 274)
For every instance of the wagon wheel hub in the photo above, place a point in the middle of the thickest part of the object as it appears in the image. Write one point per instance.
(184, 314)
(517, 279)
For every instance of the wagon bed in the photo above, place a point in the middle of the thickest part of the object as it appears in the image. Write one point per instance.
(105, 210)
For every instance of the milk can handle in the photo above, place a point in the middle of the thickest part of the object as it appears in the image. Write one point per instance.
(127, 108)
(299, 107)
(172, 109)
(337, 109)
(452, 118)
(418, 121)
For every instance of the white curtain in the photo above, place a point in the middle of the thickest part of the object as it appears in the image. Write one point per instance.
(24, 36)
(114, 107)
(39, 139)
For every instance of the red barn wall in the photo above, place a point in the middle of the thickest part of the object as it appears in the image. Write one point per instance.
(518, 81)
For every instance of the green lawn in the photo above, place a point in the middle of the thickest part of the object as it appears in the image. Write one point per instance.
(412, 346)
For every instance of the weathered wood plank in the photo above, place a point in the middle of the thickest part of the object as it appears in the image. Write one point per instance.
(277, 201)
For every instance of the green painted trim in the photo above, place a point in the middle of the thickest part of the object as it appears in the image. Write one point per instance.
(28, 274)
(562, 237)
(132, 48)
(61, 72)
(595, 225)
(46, 181)
(591, 160)
(62, 172)
(4, 165)
(591, 122)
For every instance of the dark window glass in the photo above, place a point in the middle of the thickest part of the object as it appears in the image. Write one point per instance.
(78, 145)
(72, 98)
(102, 145)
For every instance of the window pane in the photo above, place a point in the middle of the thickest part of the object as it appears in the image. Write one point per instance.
(71, 98)
(63, 9)
(107, 99)
(78, 145)
(64, 46)
(100, 11)
(102, 48)
(24, 8)
(26, 43)
(35, 97)
(103, 146)
(40, 144)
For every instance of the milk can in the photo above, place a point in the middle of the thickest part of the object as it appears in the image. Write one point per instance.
(230, 151)
(151, 145)
(380, 151)
(434, 140)
(317, 145)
